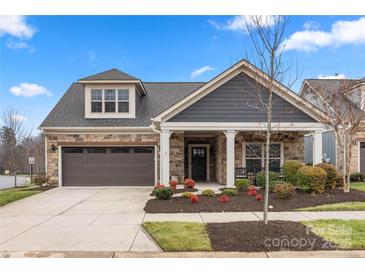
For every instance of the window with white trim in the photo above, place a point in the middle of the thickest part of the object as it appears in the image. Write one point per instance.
(109, 100)
(96, 100)
(255, 157)
(123, 100)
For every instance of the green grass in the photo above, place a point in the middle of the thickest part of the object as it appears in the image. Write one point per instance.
(358, 186)
(346, 206)
(346, 234)
(179, 236)
(9, 195)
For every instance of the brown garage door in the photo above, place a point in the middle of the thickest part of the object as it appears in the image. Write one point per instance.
(108, 166)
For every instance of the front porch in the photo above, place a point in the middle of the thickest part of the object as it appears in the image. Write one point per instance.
(223, 155)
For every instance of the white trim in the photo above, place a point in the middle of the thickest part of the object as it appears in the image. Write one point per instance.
(45, 154)
(282, 156)
(230, 156)
(207, 146)
(110, 115)
(251, 71)
(99, 130)
(156, 157)
(358, 156)
(212, 126)
(105, 82)
(60, 166)
(317, 147)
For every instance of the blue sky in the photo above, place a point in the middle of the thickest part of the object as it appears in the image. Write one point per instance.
(42, 55)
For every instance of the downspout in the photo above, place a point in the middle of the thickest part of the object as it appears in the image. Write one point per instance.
(154, 129)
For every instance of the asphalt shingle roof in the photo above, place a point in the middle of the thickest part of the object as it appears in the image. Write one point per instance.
(70, 110)
(112, 74)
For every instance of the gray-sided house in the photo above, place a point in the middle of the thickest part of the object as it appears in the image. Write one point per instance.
(312, 90)
(112, 129)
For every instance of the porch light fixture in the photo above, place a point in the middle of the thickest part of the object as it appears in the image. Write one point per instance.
(53, 148)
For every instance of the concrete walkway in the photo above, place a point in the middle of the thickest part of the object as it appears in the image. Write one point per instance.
(213, 217)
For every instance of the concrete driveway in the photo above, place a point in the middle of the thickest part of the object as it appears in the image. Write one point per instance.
(77, 219)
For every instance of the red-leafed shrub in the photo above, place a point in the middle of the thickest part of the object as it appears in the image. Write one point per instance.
(259, 197)
(252, 191)
(194, 198)
(189, 183)
(224, 198)
(158, 185)
(173, 184)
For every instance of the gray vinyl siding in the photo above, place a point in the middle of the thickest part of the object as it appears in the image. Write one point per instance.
(237, 101)
(328, 147)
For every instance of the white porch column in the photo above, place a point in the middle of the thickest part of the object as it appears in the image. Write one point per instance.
(317, 147)
(230, 138)
(165, 156)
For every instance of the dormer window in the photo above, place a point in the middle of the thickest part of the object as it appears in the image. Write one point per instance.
(110, 101)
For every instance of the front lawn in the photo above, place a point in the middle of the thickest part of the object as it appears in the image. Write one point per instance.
(347, 206)
(346, 234)
(179, 236)
(358, 186)
(253, 236)
(9, 195)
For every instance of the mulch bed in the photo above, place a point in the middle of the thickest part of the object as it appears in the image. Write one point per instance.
(256, 236)
(243, 202)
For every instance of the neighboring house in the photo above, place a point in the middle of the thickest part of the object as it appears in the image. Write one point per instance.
(311, 90)
(114, 129)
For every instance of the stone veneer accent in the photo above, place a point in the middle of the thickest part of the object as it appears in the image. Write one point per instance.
(94, 139)
(177, 156)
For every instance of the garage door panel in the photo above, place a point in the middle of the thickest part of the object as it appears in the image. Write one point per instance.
(109, 167)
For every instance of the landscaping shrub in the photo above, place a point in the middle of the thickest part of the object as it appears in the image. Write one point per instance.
(260, 179)
(194, 198)
(186, 194)
(224, 198)
(357, 177)
(331, 175)
(242, 184)
(41, 179)
(189, 183)
(173, 184)
(311, 179)
(284, 190)
(252, 191)
(229, 191)
(259, 197)
(208, 192)
(290, 169)
(339, 180)
(164, 193)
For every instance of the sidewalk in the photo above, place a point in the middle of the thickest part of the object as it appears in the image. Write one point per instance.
(222, 217)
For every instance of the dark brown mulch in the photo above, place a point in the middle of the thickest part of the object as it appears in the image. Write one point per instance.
(243, 202)
(256, 236)
(181, 190)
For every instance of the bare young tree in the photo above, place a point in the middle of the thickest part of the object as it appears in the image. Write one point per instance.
(12, 134)
(344, 114)
(267, 36)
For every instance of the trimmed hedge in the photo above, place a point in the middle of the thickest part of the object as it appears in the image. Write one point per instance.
(284, 190)
(357, 177)
(260, 179)
(229, 191)
(331, 175)
(208, 192)
(164, 193)
(311, 179)
(290, 169)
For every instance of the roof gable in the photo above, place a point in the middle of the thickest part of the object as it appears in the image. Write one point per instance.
(112, 74)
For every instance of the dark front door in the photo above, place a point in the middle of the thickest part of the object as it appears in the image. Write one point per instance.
(199, 163)
(362, 157)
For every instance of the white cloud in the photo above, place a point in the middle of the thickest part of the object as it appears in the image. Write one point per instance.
(11, 44)
(336, 76)
(238, 23)
(16, 26)
(18, 117)
(341, 33)
(29, 90)
(200, 71)
(311, 25)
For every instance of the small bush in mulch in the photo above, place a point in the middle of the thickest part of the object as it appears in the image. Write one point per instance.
(189, 183)
(243, 202)
(256, 236)
(259, 197)
(223, 198)
(260, 179)
(357, 177)
(177, 191)
(311, 179)
(284, 190)
(230, 192)
(173, 184)
(208, 192)
(186, 194)
(290, 169)
(242, 184)
(164, 193)
(331, 172)
(252, 191)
